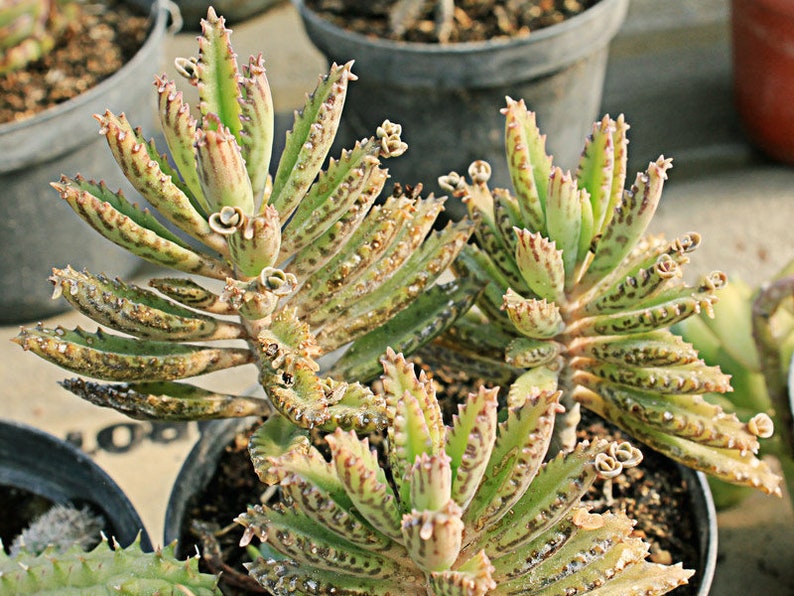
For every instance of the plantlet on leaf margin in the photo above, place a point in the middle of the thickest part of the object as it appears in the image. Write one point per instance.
(308, 262)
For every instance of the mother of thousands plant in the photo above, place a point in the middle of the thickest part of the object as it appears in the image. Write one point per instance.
(465, 509)
(306, 261)
(582, 300)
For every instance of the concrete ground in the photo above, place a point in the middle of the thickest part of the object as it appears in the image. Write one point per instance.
(670, 74)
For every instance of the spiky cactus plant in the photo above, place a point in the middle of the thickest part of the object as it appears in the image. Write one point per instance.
(751, 337)
(307, 263)
(30, 28)
(464, 509)
(103, 571)
(581, 299)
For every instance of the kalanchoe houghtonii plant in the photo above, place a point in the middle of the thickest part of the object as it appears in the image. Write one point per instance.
(469, 508)
(103, 570)
(751, 338)
(308, 263)
(582, 300)
(30, 28)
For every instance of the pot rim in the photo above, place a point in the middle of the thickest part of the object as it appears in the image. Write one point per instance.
(531, 55)
(113, 502)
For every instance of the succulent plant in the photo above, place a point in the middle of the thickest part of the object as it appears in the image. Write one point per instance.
(304, 262)
(751, 338)
(581, 300)
(470, 508)
(30, 28)
(103, 570)
(61, 527)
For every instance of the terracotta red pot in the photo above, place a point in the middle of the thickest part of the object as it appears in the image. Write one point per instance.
(763, 63)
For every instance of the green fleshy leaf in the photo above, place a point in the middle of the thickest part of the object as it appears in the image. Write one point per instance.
(736, 466)
(347, 232)
(682, 415)
(217, 75)
(179, 129)
(167, 401)
(537, 319)
(384, 301)
(564, 220)
(369, 267)
(521, 444)
(310, 140)
(426, 317)
(470, 442)
(655, 348)
(113, 358)
(258, 120)
(596, 169)
(558, 486)
(541, 265)
(141, 240)
(288, 576)
(188, 292)
(300, 538)
(334, 194)
(628, 223)
(158, 188)
(472, 578)
(365, 482)
(529, 165)
(136, 311)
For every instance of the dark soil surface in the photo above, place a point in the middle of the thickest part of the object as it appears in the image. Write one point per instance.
(472, 20)
(653, 493)
(95, 45)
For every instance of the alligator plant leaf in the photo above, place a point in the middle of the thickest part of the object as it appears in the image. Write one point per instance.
(471, 508)
(590, 298)
(299, 265)
(104, 570)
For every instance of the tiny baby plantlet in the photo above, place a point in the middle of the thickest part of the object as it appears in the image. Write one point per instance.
(581, 299)
(30, 28)
(469, 508)
(305, 261)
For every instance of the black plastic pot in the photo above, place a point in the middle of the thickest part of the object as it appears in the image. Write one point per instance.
(38, 230)
(201, 462)
(55, 470)
(198, 469)
(448, 97)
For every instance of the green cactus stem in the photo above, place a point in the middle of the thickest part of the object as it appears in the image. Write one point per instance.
(103, 570)
(585, 299)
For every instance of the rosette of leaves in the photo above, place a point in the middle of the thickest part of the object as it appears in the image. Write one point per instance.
(470, 508)
(29, 29)
(581, 299)
(751, 338)
(103, 570)
(304, 261)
